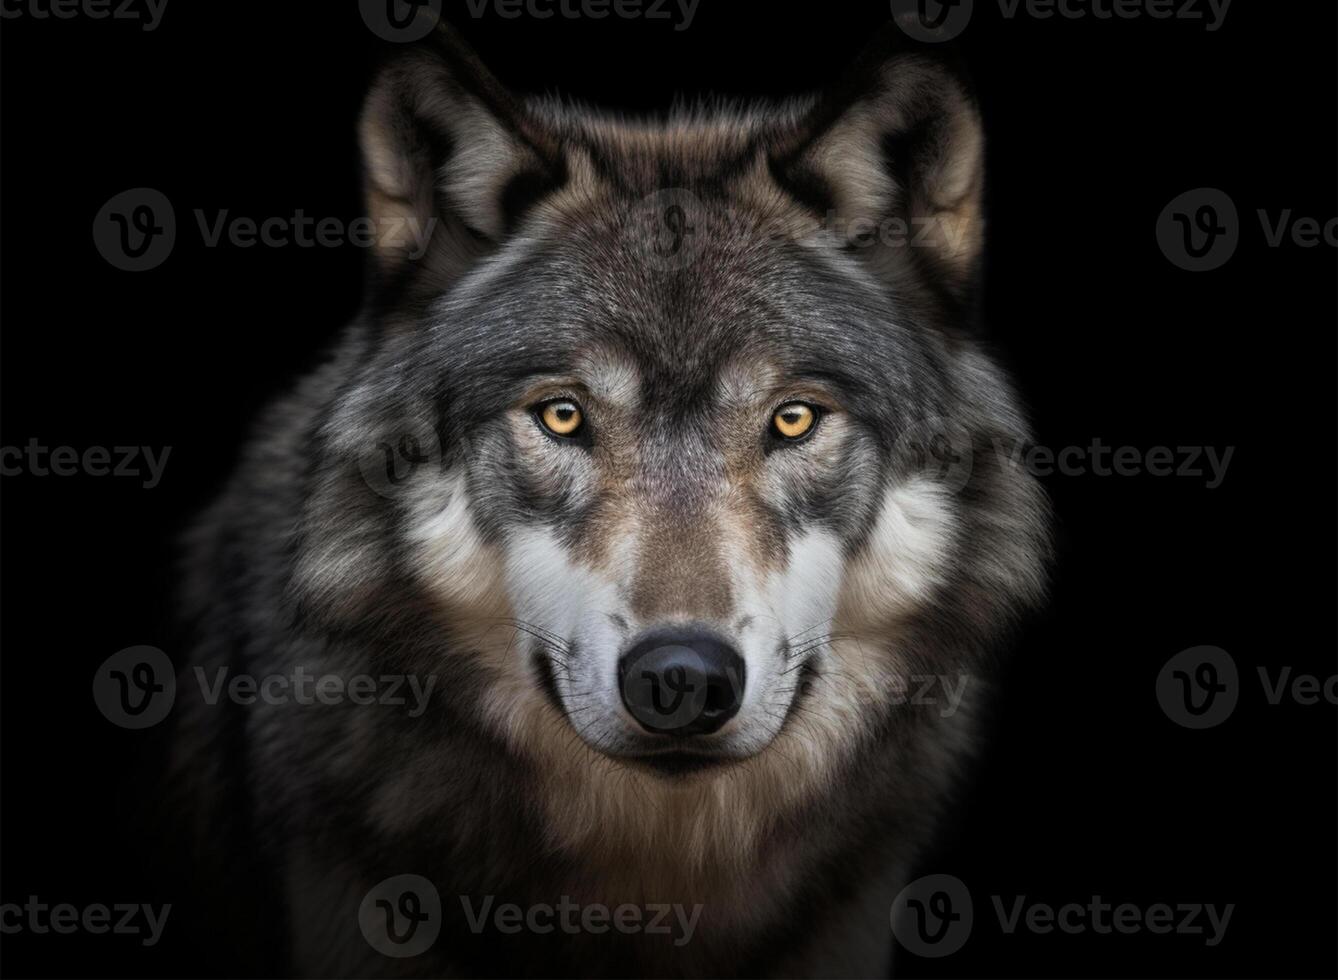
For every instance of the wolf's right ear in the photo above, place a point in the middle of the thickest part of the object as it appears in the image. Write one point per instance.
(898, 146)
(451, 159)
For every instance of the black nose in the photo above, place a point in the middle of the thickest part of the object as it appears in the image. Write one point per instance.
(681, 683)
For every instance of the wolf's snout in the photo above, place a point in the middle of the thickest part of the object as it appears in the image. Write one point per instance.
(681, 683)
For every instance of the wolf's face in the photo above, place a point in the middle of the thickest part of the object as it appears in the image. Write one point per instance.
(685, 471)
(688, 391)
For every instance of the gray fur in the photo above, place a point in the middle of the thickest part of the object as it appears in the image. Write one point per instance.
(308, 557)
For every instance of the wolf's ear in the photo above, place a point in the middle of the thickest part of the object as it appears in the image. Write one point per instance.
(896, 155)
(448, 152)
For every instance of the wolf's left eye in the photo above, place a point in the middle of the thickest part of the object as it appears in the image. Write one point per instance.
(562, 417)
(794, 421)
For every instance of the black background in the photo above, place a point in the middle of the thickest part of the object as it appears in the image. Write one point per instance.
(1094, 126)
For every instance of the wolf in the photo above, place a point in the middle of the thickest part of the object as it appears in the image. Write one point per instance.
(664, 472)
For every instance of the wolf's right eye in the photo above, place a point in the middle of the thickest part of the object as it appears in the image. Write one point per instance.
(794, 421)
(562, 417)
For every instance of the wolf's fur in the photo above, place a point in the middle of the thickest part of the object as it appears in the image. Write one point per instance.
(514, 569)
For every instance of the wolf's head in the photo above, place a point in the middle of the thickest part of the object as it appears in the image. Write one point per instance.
(675, 426)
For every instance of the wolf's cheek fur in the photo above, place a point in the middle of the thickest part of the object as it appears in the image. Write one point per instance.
(573, 608)
(903, 559)
(461, 570)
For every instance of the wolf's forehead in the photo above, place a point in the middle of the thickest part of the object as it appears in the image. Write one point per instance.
(743, 311)
(618, 377)
(702, 336)
(610, 375)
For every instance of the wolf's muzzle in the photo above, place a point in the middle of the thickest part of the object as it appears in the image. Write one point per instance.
(681, 683)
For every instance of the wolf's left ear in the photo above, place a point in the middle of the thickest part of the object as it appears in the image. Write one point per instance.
(896, 155)
(449, 152)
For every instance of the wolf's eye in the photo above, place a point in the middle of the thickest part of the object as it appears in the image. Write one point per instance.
(562, 417)
(794, 421)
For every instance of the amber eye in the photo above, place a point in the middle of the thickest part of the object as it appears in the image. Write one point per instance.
(794, 421)
(562, 417)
